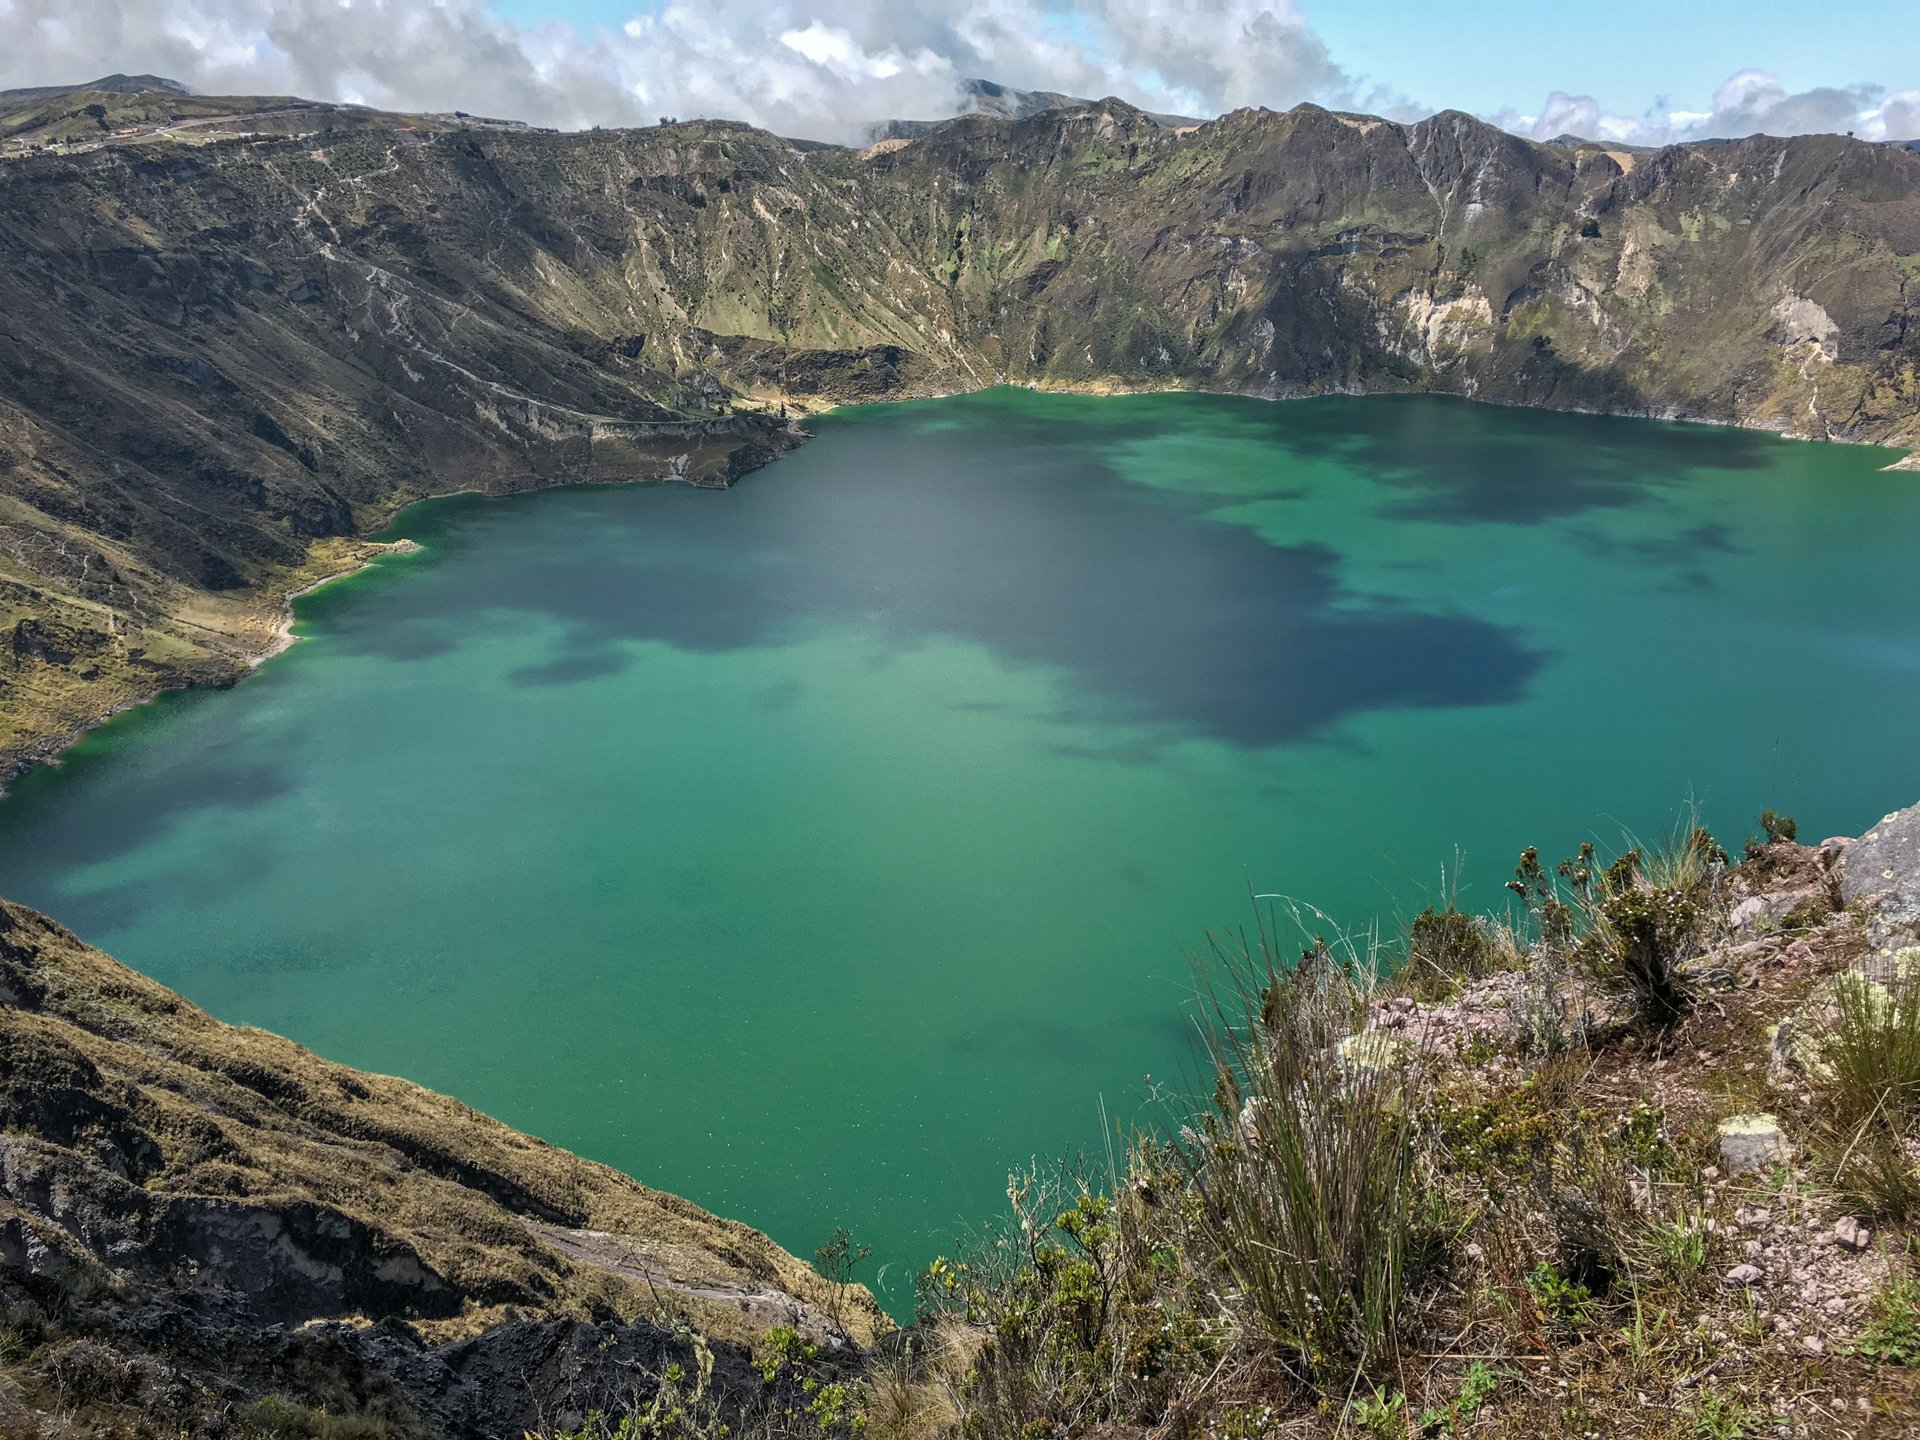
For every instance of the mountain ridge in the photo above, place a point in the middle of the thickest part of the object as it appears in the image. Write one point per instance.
(232, 352)
(989, 97)
(114, 84)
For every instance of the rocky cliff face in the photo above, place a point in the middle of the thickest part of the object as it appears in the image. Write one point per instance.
(223, 359)
(201, 1226)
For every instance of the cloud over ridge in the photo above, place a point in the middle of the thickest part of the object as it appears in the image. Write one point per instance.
(1749, 102)
(825, 69)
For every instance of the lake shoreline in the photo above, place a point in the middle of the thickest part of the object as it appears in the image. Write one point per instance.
(276, 601)
(966, 658)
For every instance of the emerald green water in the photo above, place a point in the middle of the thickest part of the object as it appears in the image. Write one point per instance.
(820, 849)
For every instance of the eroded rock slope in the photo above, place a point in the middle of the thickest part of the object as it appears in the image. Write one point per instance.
(198, 1220)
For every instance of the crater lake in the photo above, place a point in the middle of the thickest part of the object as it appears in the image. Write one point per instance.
(822, 849)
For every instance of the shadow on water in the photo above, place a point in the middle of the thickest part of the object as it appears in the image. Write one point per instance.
(571, 669)
(123, 822)
(1711, 537)
(1451, 460)
(1520, 467)
(67, 842)
(1035, 548)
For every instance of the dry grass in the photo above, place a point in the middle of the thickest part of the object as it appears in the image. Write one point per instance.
(251, 1117)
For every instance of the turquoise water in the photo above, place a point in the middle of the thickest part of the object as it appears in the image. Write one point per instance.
(823, 848)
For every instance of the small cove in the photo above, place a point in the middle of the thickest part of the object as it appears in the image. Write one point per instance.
(821, 849)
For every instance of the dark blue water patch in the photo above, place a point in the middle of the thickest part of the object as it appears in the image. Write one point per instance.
(571, 669)
(1531, 468)
(1682, 549)
(1015, 1034)
(1160, 616)
(130, 807)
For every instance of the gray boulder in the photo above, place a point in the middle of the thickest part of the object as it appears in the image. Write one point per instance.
(1882, 870)
(1753, 1142)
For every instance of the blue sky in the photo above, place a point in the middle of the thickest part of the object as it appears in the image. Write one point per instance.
(1490, 55)
(1484, 54)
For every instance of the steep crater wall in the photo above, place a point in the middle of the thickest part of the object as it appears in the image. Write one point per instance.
(221, 364)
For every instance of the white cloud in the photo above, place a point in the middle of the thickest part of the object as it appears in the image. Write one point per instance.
(827, 69)
(822, 68)
(1898, 117)
(1215, 54)
(1748, 102)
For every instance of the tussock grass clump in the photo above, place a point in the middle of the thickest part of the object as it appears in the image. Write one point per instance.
(1305, 1169)
(1868, 1071)
(1871, 1056)
(1260, 1254)
(1089, 1303)
(1447, 948)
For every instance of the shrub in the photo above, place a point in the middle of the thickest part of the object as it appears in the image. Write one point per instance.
(836, 1261)
(1634, 923)
(1445, 947)
(1641, 935)
(1779, 827)
(839, 1257)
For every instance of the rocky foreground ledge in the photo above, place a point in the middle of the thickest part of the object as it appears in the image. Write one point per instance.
(207, 1230)
(1795, 929)
(1617, 1222)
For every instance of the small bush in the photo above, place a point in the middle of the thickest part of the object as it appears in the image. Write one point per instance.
(1641, 935)
(836, 1261)
(1633, 923)
(1892, 1332)
(1446, 947)
(1779, 827)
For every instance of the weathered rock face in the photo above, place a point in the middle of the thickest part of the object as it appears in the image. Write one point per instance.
(1753, 1142)
(1882, 871)
(221, 1218)
(220, 362)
